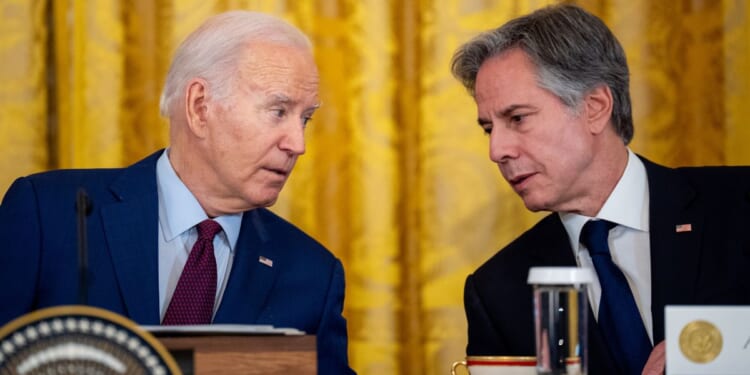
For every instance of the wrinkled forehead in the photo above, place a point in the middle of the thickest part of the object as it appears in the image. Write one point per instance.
(509, 70)
(281, 71)
(283, 60)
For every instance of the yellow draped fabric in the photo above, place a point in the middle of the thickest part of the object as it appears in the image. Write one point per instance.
(396, 181)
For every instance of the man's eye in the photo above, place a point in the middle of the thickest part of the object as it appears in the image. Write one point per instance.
(306, 119)
(486, 128)
(517, 118)
(279, 112)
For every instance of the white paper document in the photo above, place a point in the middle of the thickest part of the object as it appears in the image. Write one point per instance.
(222, 329)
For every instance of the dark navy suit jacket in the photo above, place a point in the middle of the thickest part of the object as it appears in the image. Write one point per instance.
(304, 288)
(707, 265)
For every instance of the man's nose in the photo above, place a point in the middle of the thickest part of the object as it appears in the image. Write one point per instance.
(503, 144)
(293, 140)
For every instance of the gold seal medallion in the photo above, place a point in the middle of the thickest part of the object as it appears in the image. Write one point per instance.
(700, 341)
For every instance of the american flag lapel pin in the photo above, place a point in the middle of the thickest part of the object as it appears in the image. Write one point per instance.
(680, 228)
(266, 261)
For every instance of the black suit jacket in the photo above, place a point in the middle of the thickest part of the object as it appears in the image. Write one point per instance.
(706, 266)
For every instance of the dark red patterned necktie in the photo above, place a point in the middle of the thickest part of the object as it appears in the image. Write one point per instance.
(193, 298)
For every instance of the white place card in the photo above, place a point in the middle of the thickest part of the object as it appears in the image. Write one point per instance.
(707, 340)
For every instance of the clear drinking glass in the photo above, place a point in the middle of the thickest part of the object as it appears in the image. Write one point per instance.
(560, 311)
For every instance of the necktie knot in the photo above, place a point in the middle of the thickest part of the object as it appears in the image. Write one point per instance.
(594, 236)
(207, 229)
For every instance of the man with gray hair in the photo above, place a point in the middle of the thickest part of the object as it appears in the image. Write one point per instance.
(184, 236)
(551, 90)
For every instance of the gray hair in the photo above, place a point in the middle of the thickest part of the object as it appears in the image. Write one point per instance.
(212, 52)
(573, 51)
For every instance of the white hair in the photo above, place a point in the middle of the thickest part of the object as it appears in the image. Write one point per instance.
(213, 50)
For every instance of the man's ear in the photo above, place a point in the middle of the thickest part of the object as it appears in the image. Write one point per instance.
(196, 110)
(598, 108)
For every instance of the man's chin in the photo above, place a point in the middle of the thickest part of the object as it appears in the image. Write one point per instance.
(270, 196)
(534, 205)
(264, 196)
(535, 208)
(267, 202)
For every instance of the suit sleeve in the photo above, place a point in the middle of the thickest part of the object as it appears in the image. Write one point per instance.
(483, 337)
(19, 250)
(332, 337)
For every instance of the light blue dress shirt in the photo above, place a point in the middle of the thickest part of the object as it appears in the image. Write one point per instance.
(179, 213)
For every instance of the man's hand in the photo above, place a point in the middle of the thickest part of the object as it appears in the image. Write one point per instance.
(656, 361)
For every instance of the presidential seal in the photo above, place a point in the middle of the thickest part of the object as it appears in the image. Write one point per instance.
(700, 341)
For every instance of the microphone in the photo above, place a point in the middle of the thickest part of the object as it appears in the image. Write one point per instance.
(83, 209)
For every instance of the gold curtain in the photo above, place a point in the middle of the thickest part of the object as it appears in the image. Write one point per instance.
(396, 181)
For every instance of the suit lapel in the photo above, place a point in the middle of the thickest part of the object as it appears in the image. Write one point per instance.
(554, 248)
(674, 252)
(600, 361)
(131, 229)
(250, 280)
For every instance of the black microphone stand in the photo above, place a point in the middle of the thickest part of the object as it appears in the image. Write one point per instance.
(83, 209)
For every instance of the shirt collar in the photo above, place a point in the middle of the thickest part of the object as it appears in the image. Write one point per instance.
(627, 205)
(179, 210)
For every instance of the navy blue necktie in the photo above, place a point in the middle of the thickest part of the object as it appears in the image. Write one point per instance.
(619, 318)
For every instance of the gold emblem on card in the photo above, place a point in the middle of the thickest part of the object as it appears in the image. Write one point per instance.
(700, 341)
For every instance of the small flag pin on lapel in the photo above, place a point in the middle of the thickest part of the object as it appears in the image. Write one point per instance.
(683, 228)
(265, 261)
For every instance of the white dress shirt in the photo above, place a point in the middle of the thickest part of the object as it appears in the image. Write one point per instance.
(627, 206)
(179, 213)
